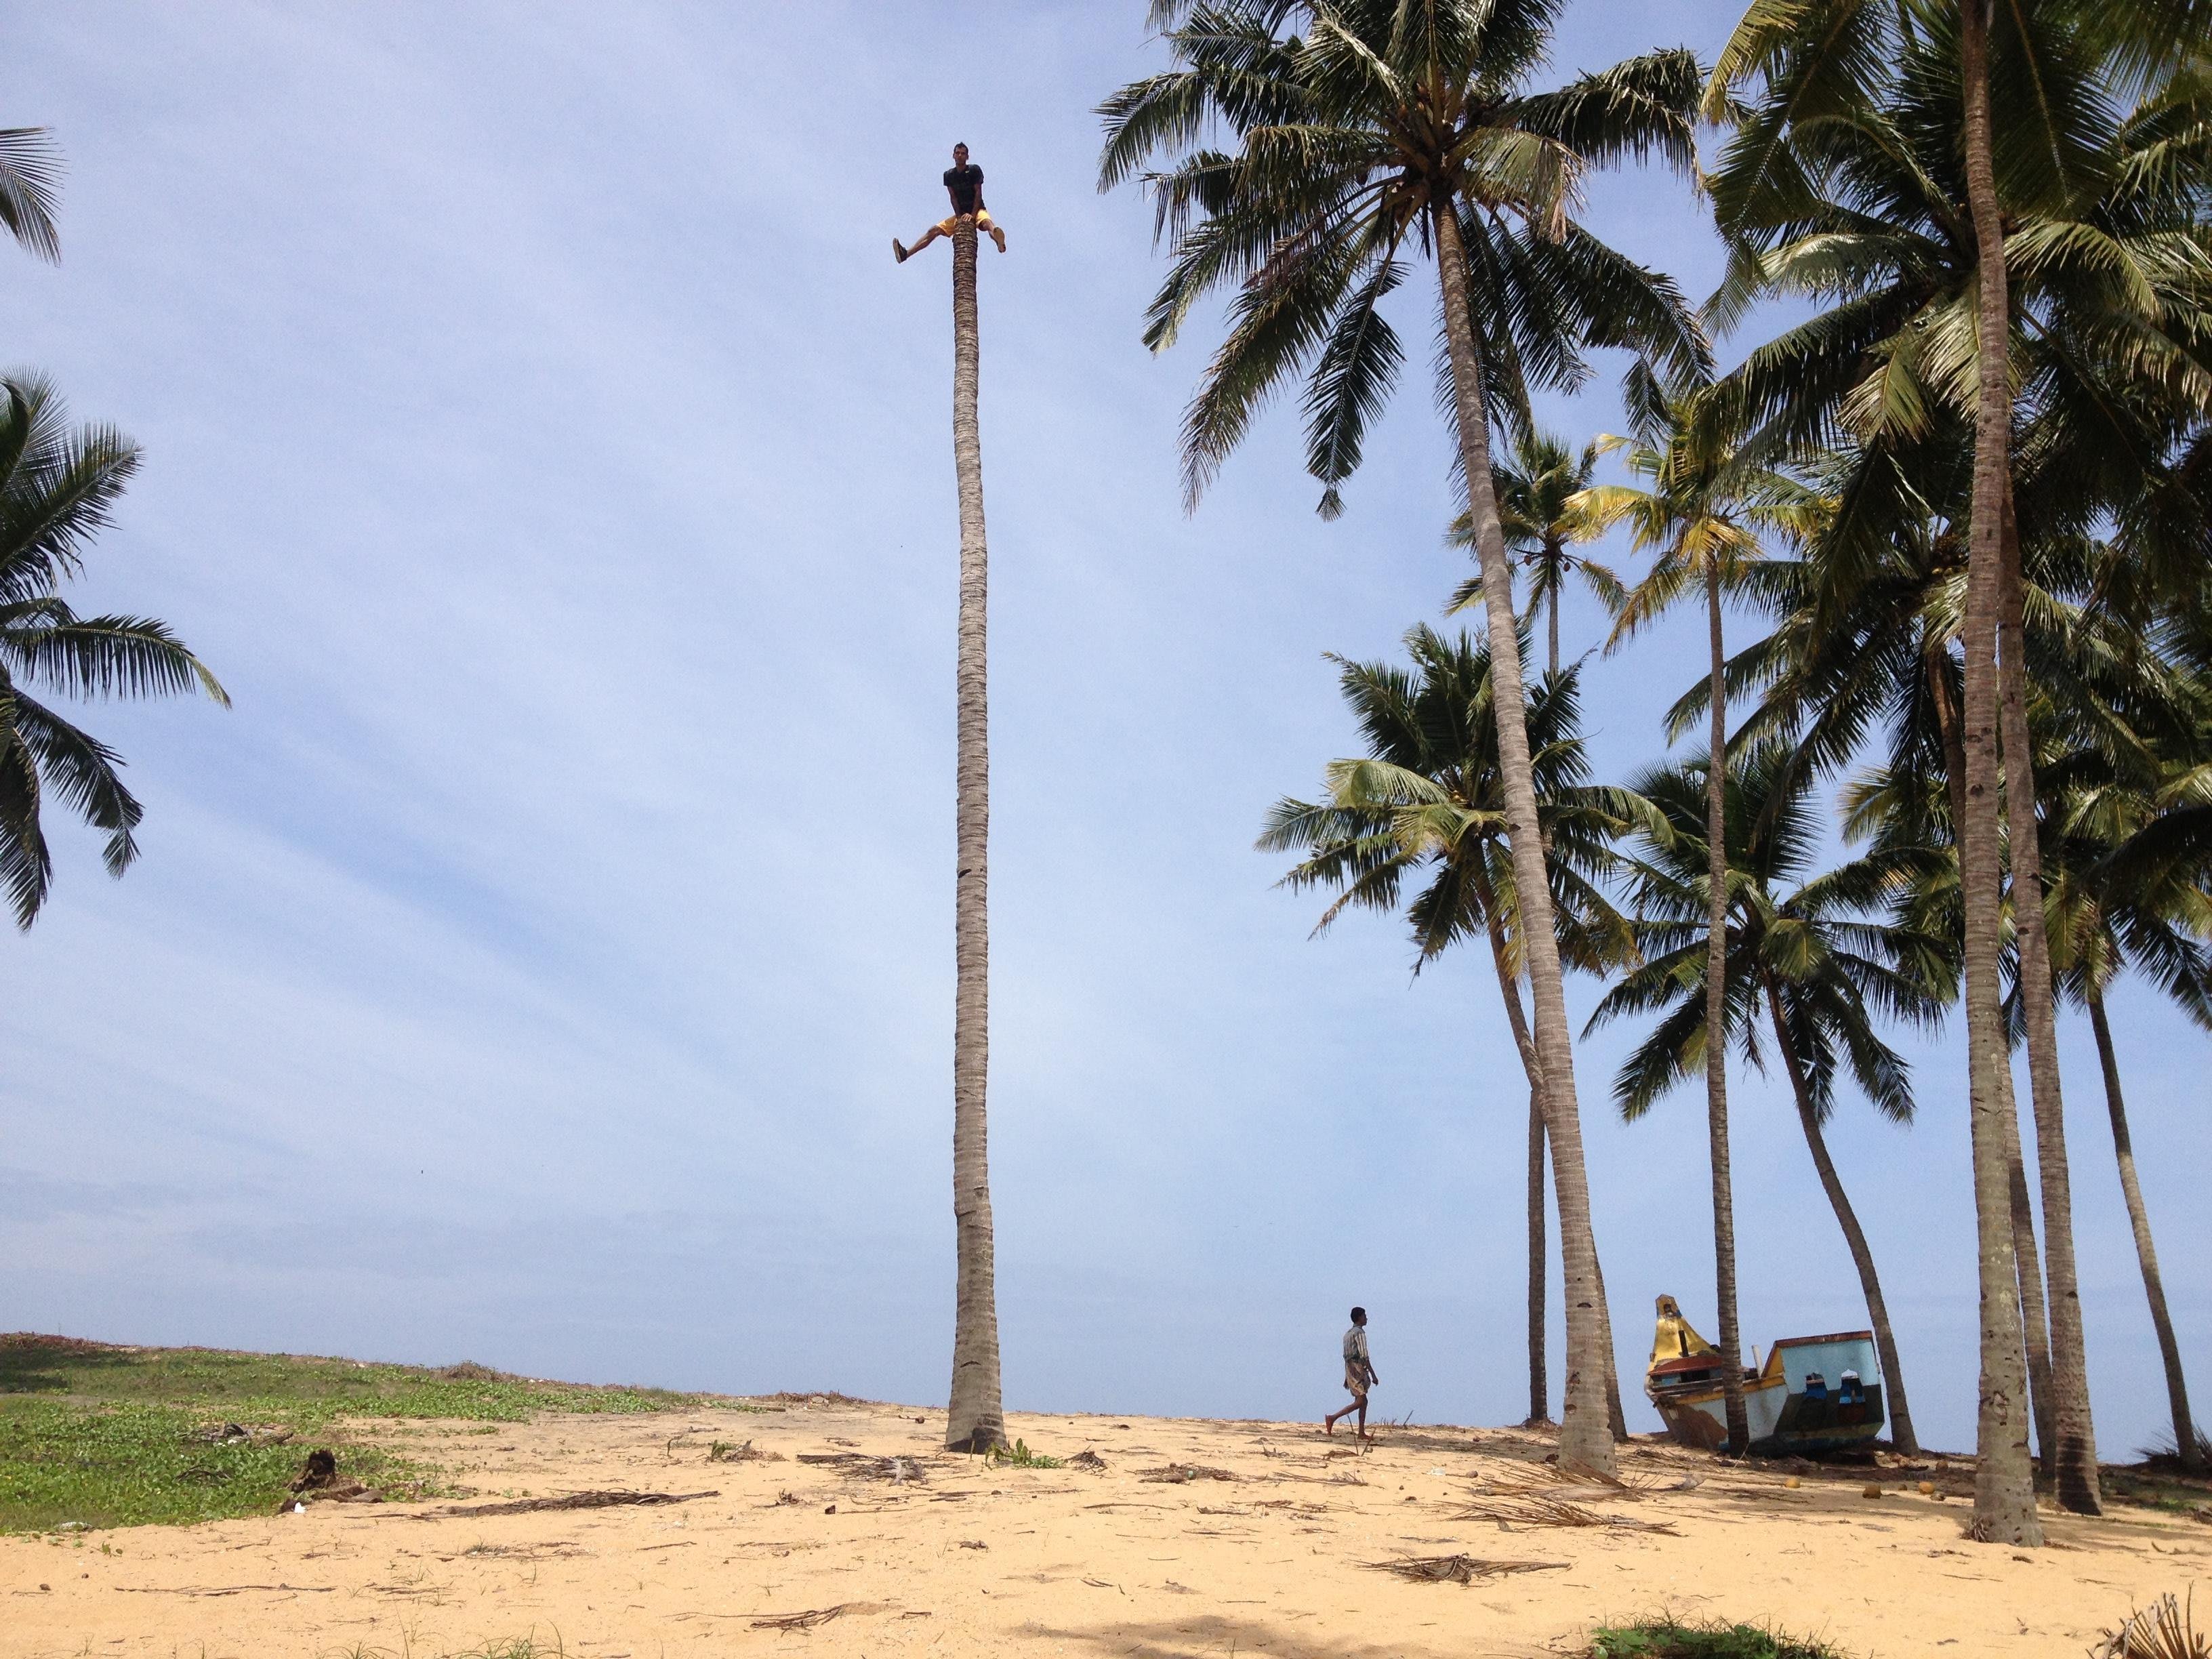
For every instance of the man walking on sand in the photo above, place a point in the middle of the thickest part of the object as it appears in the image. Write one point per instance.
(1358, 1374)
(964, 184)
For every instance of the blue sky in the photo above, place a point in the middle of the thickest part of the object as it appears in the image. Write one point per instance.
(548, 961)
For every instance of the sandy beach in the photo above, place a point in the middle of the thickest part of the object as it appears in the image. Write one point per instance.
(1154, 1554)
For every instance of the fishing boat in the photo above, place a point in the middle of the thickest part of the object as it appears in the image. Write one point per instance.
(1815, 1396)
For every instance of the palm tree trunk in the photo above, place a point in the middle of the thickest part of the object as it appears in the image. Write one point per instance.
(1540, 1391)
(1552, 616)
(1616, 1419)
(1901, 1435)
(2185, 1437)
(975, 1421)
(1509, 987)
(2074, 1459)
(1585, 1436)
(2004, 1486)
(1716, 1120)
(2028, 1260)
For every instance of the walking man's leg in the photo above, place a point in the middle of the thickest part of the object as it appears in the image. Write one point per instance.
(1358, 1404)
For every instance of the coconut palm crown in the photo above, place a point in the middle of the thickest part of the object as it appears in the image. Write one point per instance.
(58, 486)
(1350, 135)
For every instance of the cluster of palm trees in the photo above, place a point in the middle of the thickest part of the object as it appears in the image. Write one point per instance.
(58, 484)
(1966, 498)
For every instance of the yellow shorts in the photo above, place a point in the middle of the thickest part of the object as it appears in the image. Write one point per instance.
(945, 227)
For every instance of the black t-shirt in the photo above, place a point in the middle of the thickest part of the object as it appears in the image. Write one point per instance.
(966, 184)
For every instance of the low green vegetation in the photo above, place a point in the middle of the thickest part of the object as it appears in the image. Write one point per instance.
(1020, 1457)
(108, 1436)
(1666, 1639)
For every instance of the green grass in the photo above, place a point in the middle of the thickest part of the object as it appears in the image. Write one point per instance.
(2157, 1488)
(1665, 1639)
(107, 1437)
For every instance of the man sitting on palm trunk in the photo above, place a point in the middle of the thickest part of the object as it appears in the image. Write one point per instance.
(963, 183)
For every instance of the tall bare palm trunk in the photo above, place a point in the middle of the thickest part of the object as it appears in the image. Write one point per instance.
(2004, 1486)
(1585, 1438)
(2027, 1259)
(1716, 1120)
(1540, 1388)
(2185, 1438)
(1540, 1394)
(2027, 1262)
(1539, 1391)
(1901, 1435)
(1552, 614)
(2073, 1456)
(975, 1422)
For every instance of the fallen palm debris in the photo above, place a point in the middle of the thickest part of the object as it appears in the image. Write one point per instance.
(226, 1589)
(2165, 1630)
(1178, 1474)
(806, 1620)
(1456, 1569)
(1088, 1460)
(721, 1451)
(814, 1616)
(575, 1500)
(1538, 1510)
(317, 1482)
(858, 1465)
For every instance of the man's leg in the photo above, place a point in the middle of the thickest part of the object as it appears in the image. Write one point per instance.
(1358, 1404)
(984, 223)
(902, 253)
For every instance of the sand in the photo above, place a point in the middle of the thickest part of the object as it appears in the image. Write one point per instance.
(959, 1558)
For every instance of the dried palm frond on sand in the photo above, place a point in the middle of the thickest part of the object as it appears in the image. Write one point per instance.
(857, 1466)
(2165, 1630)
(1541, 1509)
(813, 1616)
(1177, 1474)
(1555, 1480)
(1456, 1569)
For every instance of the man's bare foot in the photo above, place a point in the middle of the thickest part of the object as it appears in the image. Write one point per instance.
(898, 249)
(1329, 1427)
(999, 237)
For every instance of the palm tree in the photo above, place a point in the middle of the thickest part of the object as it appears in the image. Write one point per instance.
(974, 1420)
(1429, 796)
(30, 168)
(1388, 128)
(1542, 525)
(1702, 512)
(2129, 856)
(58, 489)
(1871, 173)
(1816, 957)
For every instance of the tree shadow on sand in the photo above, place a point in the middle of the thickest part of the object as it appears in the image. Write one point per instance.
(1212, 1634)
